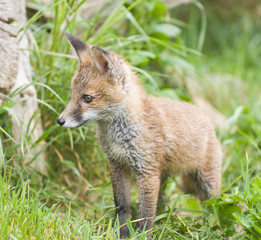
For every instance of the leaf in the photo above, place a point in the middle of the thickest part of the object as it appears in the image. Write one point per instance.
(224, 213)
(227, 211)
(160, 35)
(248, 221)
(159, 9)
(256, 184)
(257, 228)
(242, 220)
(226, 217)
(169, 93)
(208, 203)
(141, 58)
(168, 29)
(178, 61)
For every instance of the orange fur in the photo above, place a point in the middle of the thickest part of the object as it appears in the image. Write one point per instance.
(154, 137)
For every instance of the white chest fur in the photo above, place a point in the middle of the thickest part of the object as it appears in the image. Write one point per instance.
(118, 139)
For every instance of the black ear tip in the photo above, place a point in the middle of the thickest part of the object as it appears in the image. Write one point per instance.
(79, 46)
(68, 36)
(73, 40)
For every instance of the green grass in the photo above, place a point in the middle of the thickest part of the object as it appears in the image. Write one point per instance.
(75, 199)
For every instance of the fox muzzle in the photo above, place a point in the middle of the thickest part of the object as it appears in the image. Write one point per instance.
(60, 121)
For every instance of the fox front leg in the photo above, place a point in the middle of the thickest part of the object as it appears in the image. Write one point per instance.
(148, 186)
(121, 183)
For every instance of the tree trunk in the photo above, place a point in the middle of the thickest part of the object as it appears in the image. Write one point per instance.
(15, 72)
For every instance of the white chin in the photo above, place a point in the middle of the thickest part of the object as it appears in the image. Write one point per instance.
(89, 116)
(72, 123)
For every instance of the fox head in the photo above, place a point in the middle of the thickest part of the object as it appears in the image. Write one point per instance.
(98, 86)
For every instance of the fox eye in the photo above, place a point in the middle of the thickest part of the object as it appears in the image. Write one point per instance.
(88, 98)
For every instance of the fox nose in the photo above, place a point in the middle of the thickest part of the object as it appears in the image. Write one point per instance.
(60, 121)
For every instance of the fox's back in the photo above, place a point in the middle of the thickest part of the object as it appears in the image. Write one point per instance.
(187, 133)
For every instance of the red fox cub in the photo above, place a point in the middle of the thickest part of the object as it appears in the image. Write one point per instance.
(153, 137)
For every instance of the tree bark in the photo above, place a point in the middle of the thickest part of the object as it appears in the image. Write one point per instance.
(15, 72)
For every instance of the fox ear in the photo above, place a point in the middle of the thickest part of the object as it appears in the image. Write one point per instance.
(81, 48)
(100, 59)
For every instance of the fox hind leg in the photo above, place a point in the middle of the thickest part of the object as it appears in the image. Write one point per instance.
(199, 184)
(161, 198)
(148, 186)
